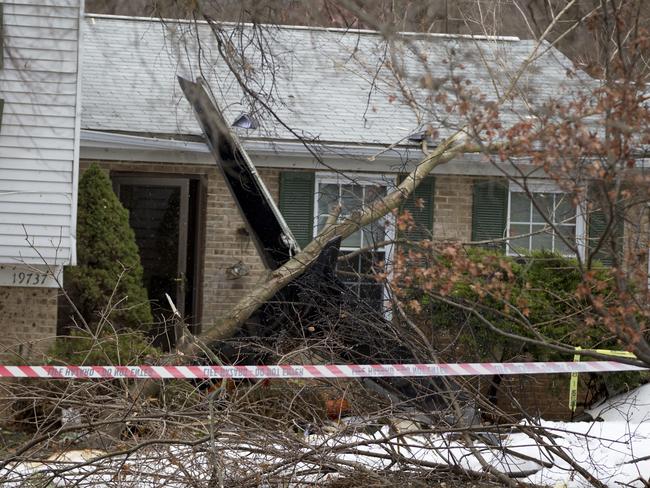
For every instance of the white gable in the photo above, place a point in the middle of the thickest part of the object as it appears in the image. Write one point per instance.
(39, 82)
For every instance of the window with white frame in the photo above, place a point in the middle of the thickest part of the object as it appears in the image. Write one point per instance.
(545, 219)
(352, 194)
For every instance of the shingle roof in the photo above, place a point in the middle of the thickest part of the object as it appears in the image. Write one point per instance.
(324, 84)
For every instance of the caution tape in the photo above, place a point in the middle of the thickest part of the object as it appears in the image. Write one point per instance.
(573, 384)
(312, 371)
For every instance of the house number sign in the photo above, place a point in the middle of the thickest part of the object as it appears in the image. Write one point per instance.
(30, 276)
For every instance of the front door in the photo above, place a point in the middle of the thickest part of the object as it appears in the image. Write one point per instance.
(159, 211)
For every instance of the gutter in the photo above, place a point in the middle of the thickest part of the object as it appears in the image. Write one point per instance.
(91, 139)
(340, 30)
(283, 154)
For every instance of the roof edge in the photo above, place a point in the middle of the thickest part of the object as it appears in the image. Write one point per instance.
(423, 35)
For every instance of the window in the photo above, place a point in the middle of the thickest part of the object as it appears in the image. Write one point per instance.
(333, 190)
(529, 229)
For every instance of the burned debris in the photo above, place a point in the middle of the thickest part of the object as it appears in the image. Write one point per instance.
(316, 309)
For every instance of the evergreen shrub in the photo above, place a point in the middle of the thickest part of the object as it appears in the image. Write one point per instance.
(108, 262)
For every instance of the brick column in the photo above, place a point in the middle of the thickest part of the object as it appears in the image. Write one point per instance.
(452, 208)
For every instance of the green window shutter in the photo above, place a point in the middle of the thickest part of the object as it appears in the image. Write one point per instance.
(597, 223)
(422, 215)
(2, 106)
(297, 204)
(490, 212)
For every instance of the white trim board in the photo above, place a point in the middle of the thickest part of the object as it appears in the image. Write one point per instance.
(77, 145)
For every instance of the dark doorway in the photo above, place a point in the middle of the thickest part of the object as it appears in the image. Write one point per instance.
(163, 213)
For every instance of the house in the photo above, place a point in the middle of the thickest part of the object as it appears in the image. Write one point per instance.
(341, 129)
(39, 153)
(138, 126)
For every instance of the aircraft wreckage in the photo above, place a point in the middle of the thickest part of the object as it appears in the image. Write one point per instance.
(316, 311)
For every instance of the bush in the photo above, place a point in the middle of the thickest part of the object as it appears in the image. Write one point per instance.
(537, 294)
(108, 348)
(108, 263)
(534, 296)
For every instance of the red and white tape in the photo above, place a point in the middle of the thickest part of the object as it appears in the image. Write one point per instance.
(312, 371)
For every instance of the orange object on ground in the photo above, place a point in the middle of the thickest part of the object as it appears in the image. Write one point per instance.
(336, 408)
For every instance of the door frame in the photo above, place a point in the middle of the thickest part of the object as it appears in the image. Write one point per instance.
(119, 179)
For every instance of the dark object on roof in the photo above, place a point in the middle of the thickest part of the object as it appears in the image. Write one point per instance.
(317, 307)
(418, 136)
(245, 121)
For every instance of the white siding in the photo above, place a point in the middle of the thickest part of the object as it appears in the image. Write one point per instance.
(39, 136)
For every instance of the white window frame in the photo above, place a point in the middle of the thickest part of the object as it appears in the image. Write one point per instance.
(546, 187)
(323, 178)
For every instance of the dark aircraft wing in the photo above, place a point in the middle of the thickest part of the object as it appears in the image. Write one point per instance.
(264, 222)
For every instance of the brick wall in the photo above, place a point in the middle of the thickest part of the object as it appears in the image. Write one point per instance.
(545, 395)
(27, 322)
(225, 246)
